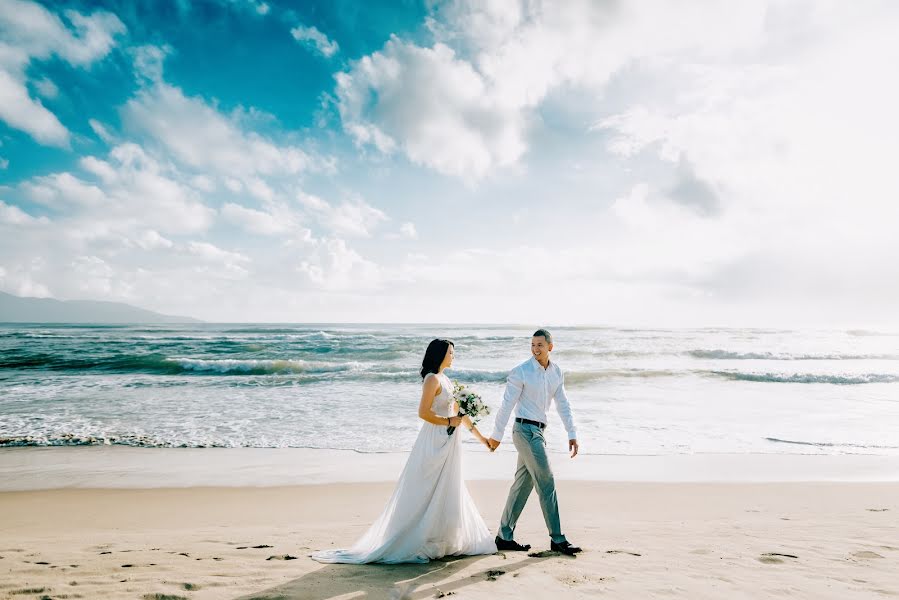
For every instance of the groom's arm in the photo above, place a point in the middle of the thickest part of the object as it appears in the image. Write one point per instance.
(514, 388)
(563, 406)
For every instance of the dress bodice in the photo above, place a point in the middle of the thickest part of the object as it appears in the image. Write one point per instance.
(443, 402)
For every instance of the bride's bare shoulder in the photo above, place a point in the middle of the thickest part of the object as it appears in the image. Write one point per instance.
(431, 382)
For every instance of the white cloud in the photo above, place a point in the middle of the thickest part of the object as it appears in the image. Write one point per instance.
(225, 264)
(101, 131)
(20, 281)
(257, 221)
(13, 215)
(202, 138)
(408, 230)
(46, 88)
(151, 240)
(234, 185)
(134, 189)
(335, 266)
(20, 111)
(31, 33)
(203, 183)
(466, 105)
(213, 253)
(311, 36)
(439, 110)
(353, 218)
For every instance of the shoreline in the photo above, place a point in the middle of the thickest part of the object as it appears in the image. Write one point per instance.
(114, 467)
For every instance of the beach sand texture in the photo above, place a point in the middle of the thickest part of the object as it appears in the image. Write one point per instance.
(641, 540)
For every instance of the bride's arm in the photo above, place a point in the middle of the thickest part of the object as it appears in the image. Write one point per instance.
(470, 426)
(428, 392)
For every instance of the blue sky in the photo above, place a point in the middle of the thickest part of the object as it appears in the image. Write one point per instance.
(546, 161)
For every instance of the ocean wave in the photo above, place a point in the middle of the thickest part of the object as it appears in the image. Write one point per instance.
(807, 378)
(163, 365)
(582, 377)
(262, 366)
(138, 441)
(870, 333)
(729, 355)
(831, 444)
(477, 376)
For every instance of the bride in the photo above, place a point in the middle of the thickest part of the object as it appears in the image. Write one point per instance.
(431, 513)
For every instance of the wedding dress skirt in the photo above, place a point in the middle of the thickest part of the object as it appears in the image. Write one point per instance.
(430, 514)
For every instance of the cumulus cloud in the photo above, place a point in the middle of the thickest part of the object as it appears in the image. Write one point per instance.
(19, 279)
(13, 215)
(30, 33)
(152, 240)
(408, 230)
(465, 105)
(133, 188)
(213, 253)
(437, 109)
(46, 88)
(201, 137)
(311, 36)
(335, 266)
(353, 218)
(258, 221)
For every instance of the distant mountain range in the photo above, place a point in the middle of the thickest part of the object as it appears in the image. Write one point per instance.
(17, 309)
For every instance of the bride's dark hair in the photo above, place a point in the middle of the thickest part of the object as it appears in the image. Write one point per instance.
(434, 356)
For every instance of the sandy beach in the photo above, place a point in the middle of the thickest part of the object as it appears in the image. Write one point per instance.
(641, 540)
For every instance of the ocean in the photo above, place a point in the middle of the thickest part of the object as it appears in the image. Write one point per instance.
(356, 387)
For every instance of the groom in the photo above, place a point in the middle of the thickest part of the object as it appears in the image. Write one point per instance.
(531, 387)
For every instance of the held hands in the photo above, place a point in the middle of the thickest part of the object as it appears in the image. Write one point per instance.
(492, 444)
(573, 447)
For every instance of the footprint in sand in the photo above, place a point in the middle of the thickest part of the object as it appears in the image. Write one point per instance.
(866, 554)
(622, 552)
(877, 509)
(578, 579)
(773, 558)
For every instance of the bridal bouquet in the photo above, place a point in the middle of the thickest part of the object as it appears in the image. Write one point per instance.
(470, 404)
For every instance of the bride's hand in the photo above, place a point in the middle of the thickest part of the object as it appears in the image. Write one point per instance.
(455, 421)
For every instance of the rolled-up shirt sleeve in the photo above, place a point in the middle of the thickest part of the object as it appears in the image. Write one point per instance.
(514, 388)
(564, 408)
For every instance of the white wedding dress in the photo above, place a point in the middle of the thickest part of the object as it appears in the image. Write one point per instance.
(431, 514)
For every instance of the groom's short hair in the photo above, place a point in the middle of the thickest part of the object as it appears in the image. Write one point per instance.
(544, 333)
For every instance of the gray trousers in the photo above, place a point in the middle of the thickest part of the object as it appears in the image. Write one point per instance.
(533, 471)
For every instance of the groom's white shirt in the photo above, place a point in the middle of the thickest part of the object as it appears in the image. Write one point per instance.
(530, 389)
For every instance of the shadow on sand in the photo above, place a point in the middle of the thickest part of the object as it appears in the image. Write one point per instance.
(392, 582)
